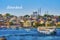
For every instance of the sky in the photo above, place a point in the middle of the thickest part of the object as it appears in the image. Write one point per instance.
(23, 7)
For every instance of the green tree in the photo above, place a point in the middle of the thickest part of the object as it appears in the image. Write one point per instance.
(26, 16)
(7, 14)
(47, 15)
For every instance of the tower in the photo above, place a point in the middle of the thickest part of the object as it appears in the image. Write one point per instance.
(39, 11)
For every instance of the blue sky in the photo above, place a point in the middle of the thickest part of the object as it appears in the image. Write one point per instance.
(28, 6)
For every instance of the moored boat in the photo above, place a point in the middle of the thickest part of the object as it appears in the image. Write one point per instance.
(47, 30)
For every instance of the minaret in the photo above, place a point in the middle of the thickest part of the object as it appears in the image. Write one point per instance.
(46, 12)
(39, 11)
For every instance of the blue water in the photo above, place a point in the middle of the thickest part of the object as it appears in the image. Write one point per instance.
(32, 34)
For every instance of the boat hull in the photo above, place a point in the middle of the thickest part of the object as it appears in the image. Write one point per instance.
(46, 31)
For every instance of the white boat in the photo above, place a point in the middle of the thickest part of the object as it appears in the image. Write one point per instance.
(46, 30)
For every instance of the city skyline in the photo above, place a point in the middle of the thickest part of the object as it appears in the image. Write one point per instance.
(23, 7)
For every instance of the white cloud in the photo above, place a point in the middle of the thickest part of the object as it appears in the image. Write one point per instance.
(14, 7)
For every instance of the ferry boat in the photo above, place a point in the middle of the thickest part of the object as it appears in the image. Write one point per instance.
(47, 30)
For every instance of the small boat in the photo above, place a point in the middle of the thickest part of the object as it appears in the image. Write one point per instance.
(46, 30)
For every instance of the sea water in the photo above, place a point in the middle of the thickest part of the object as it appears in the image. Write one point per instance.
(33, 34)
